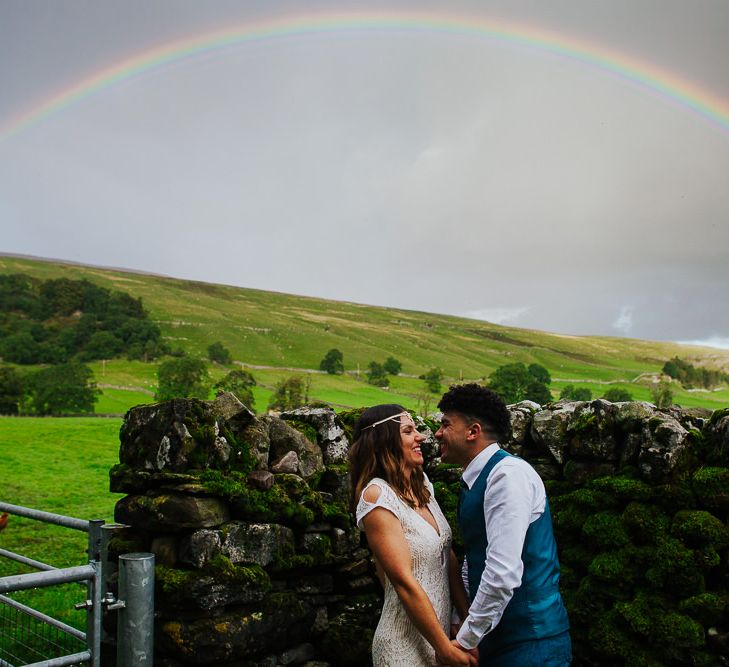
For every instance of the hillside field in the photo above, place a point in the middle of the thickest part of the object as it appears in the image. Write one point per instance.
(58, 465)
(280, 332)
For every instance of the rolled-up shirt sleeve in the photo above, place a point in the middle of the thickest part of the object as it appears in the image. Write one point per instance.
(509, 508)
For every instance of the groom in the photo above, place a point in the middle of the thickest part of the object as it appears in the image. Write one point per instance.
(511, 569)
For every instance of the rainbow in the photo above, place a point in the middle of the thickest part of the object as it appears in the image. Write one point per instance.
(711, 108)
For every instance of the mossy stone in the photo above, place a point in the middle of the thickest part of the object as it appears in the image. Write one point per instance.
(709, 609)
(605, 530)
(646, 524)
(699, 528)
(711, 486)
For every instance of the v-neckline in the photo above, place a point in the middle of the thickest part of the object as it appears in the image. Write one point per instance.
(436, 528)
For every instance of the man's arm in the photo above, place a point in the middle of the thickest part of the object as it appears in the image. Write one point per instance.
(508, 511)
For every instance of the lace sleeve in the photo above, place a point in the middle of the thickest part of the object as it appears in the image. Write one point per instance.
(387, 500)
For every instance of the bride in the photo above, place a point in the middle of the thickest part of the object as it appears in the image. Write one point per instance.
(410, 540)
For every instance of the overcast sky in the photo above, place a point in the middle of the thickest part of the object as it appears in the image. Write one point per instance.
(428, 169)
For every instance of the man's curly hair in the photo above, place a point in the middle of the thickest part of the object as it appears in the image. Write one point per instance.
(480, 404)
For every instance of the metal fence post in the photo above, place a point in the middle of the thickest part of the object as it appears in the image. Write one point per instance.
(94, 593)
(135, 625)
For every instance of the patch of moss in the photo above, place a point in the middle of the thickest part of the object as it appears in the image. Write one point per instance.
(711, 486)
(609, 635)
(557, 487)
(126, 544)
(675, 630)
(293, 562)
(675, 569)
(349, 418)
(241, 456)
(306, 429)
(605, 530)
(175, 582)
(320, 549)
(570, 518)
(645, 524)
(274, 505)
(674, 496)
(718, 415)
(222, 568)
(225, 484)
(575, 555)
(337, 514)
(585, 420)
(444, 494)
(588, 498)
(615, 568)
(709, 609)
(699, 528)
(623, 488)
(591, 600)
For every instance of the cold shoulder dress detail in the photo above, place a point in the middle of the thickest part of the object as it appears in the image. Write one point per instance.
(397, 642)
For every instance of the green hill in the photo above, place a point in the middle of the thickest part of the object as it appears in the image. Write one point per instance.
(286, 333)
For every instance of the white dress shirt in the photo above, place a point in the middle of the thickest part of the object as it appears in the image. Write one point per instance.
(514, 498)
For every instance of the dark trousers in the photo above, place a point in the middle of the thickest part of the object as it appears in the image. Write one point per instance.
(549, 652)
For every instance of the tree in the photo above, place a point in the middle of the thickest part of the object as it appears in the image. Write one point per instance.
(20, 348)
(567, 391)
(11, 390)
(662, 394)
(572, 393)
(61, 389)
(218, 352)
(510, 382)
(540, 373)
(102, 345)
(582, 394)
(333, 362)
(392, 366)
(183, 377)
(538, 392)
(617, 395)
(377, 375)
(290, 393)
(433, 379)
(241, 383)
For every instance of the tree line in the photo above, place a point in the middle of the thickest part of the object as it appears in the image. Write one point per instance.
(691, 376)
(61, 320)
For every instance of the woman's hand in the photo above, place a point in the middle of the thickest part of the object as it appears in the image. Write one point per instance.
(458, 656)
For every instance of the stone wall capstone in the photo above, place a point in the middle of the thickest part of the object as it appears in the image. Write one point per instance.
(259, 562)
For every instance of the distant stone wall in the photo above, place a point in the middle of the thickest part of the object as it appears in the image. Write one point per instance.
(259, 562)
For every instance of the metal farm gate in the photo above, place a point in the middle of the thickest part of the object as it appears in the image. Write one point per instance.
(29, 637)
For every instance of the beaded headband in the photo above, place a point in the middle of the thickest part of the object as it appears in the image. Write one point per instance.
(391, 418)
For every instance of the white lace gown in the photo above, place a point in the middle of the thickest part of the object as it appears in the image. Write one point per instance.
(397, 642)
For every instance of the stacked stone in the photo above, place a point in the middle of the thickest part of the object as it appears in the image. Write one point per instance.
(258, 559)
(260, 563)
(640, 502)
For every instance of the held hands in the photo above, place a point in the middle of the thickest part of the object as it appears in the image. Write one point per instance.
(458, 656)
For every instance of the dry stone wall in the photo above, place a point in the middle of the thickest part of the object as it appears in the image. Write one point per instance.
(259, 562)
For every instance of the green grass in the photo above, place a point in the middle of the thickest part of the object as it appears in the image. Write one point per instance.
(60, 466)
(281, 330)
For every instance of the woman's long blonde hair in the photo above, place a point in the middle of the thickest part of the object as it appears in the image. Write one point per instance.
(377, 452)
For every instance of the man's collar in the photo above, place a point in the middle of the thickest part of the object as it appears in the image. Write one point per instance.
(478, 463)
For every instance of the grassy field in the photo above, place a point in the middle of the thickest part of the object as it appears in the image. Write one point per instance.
(60, 466)
(280, 330)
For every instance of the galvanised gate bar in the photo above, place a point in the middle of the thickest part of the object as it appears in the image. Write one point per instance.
(28, 634)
